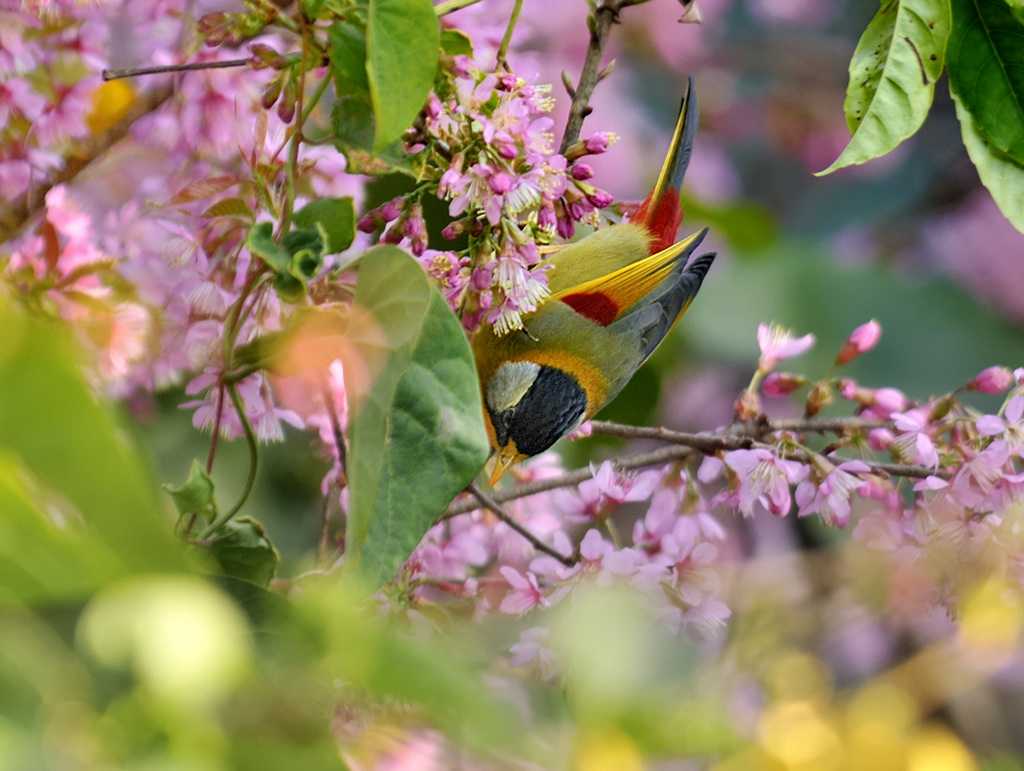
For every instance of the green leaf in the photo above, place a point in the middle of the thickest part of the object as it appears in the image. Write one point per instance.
(46, 556)
(986, 69)
(455, 42)
(352, 116)
(289, 288)
(442, 676)
(348, 58)
(262, 244)
(195, 496)
(336, 216)
(892, 77)
(236, 208)
(53, 422)
(307, 247)
(1003, 178)
(243, 550)
(416, 434)
(1017, 9)
(402, 43)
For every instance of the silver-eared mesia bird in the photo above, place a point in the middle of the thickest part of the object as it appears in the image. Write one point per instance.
(615, 295)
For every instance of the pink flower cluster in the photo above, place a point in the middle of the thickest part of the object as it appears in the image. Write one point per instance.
(483, 564)
(910, 477)
(149, 287)
(487, 145)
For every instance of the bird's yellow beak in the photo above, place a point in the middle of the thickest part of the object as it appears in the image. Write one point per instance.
(507, 457)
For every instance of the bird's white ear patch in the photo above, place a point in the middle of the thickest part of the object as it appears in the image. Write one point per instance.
(509, 384)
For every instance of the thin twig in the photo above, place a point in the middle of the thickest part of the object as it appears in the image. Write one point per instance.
(745, 436)
(506, 41)
(704, 442)
(132, 72)
(684, 446)
(600, 23)
(572, 478)
(489, 503)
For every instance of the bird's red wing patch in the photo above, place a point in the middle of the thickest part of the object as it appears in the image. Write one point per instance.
(596, 306)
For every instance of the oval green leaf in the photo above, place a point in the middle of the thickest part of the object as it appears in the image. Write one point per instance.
(336, 216)
(892, 77)
(416, 434)
(1003, 178)
(402, 44)
(52, 422)
(242, 550)
(986, 69)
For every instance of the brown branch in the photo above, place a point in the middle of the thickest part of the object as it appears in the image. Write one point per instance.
(489, 503)
(706, 443)
(600, 23)
(740, 435)
(684, 446)
(745, 436)
(572, 478)
(14, 217)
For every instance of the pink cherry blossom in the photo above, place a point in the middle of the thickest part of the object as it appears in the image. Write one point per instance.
(525, 594)
(764, 479)
(914, 442)
(829, 496)
(777, 343)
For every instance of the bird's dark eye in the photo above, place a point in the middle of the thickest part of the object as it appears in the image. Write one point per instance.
(506, 418)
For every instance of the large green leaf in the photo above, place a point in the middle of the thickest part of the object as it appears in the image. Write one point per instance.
(52, 422)
(402, 44)
(416, 433)
(892, 77)
(352, 116)
(986, 69)
(444, 677)
(1003, 178)
(45, 559)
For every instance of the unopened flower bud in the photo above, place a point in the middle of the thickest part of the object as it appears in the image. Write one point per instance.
(849, 390)
(392, 209)
(500, 182)
(779, 384)
(820, 396)
(889, 400)
(941, 408)
(286, 107)
(993, 380)
(747, 407)
(264, 56)
(271, 93)
(862, 339)
(600, 141)
(582, 171)
(600, 199)
(880, 439)
(369, 222)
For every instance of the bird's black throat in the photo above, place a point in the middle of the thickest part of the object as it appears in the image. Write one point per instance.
(552, 406)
